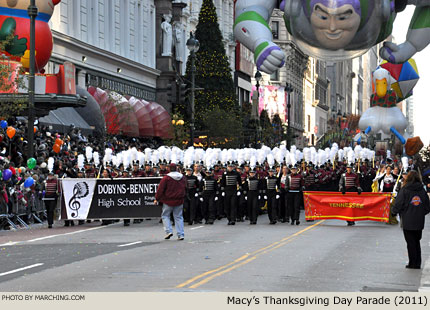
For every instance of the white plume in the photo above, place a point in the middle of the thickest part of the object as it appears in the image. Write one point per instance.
(50, 164)
(96, 157)
(89, 153)
(81, 160)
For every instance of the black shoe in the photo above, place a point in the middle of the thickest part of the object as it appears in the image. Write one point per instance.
(136, 222)
(168, 236)
(198, 222)
(180, 238)
(297, 222)
(219, 218)
(283, 220)
(253, 223)
(412, 267)
(350, 223)
(126, 224)
(72, 223)
(272, 222)
(81, 222)
(66, 225)
(49, 226)
(88, 221)
(233, 223)
(190, 223)
(229, 223)
(209, 222)
(292, 222)
(287, 220)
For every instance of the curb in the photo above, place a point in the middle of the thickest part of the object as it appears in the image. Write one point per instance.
(425, 278)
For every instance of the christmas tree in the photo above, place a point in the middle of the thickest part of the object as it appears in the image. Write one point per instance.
(213, 71)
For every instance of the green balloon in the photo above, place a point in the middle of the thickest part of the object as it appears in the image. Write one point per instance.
(1, 174)
(31, 163)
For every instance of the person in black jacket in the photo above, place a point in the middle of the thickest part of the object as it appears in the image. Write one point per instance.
(412, 203)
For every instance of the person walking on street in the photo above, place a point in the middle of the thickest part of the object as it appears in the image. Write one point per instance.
(412, 203)
(171, 192)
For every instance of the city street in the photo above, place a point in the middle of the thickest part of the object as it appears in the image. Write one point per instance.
(317, 256)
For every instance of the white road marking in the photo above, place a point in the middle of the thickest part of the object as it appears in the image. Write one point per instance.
(8, 243)
(52, 236)
(127, 244)
(196, 227)
(20, 269)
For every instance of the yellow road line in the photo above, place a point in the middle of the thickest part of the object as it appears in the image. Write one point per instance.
(241, 260)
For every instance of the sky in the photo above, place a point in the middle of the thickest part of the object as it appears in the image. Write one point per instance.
(421, 105)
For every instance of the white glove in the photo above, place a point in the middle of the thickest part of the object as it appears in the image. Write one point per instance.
(196, 195)
(246, 198)
(277, 197)
(201, 199)
(216, 198)
(238, 194)
(265, 197)
(223, 194)
(259, 197)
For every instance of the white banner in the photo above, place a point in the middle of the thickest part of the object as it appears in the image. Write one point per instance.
(78, 194)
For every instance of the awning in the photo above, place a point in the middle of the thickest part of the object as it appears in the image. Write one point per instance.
(91, 113)
(132, 117)
(61, 119)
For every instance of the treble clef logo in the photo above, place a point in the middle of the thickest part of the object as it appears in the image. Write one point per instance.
(80, 190)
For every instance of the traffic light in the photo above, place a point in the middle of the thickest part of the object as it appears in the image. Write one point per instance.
(171, 93)
(183, 90)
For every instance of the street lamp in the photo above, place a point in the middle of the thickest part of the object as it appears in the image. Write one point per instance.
(193, 45)
(289, 88)
(258, 77)
(32, 13)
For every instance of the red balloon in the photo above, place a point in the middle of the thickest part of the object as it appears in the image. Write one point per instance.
(13, 170)
(1, 138)
(56, 148)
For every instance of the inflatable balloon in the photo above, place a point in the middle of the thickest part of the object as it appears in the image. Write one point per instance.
(13, 170)
(59, 141)
(31, 163)
(56, 148)
(7, 174)
(10, 132)
(405, 76)
(29, 182)
(3, 124)
(384, 115)
(1, 174)
(1, 138)
(331, 30)
(35, 129)
(14, 21)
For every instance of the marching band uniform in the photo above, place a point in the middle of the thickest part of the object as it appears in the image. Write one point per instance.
(295, 188)
(208, 190)
(230, 183)
(271, 195)
(191, 199)
(252, 190)
(349, 182)
(284, 215)
(218, 173)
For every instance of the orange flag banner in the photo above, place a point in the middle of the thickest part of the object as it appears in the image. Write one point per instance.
(347, 207)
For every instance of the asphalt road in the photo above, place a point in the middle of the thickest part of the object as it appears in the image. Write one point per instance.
(317, 256)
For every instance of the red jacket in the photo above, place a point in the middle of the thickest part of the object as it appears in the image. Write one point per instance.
(171, 190)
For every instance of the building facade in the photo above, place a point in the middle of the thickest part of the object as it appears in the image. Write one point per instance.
(111, 43)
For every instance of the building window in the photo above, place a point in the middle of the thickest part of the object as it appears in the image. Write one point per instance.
(275, 29)
(275, 76)
(309, 123)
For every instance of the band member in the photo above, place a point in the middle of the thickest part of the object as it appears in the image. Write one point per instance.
(295, 188)
(191, 199)
(349, 182)
(271, 195)
(208, 190)
(218, 173)
(387, 182)
(283, 180)
(230, 187)
(252, 189)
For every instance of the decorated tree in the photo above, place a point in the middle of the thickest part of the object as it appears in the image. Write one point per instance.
(213, 71)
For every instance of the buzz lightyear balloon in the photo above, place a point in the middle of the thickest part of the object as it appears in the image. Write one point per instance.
(331, 30)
